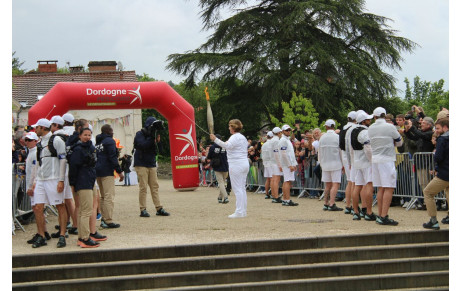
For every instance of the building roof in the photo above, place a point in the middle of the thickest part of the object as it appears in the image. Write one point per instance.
(27, 87)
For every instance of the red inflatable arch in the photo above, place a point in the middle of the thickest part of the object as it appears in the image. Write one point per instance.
(133, 95)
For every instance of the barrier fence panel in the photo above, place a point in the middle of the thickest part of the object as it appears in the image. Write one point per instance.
(19, 196)
(260, 176)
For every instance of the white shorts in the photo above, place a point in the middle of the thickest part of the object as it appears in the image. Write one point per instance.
(46, 193)
(276, 171)
(288, 175)
(332, 176)
(67, 189)
(384, 175)
(268, 172)
(352, 174)
(363, 176)
(347, 172)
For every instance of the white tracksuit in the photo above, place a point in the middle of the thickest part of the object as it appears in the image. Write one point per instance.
(238, 168)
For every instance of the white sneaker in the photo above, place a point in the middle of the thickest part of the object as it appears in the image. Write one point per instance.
(236, 215)
(405, 204)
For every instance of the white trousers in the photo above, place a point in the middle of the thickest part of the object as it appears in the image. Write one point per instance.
(238, 171)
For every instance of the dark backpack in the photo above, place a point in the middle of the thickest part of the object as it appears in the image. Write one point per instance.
(357, 146)
(342, 138)
(50, 145)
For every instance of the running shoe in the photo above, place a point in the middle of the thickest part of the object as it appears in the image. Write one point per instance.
(386, 221)
(445, 220)
(97, 236)
(334, 208)
(144, 213)
(58, 234)
(289, 203)
(348, 210)
(370, 217)
(89, 243)
(61, 243)
(431, 225)
(356, 216)
(40, 241)
(73, 230)
(277, 200)
(162, 212)
(225, 201)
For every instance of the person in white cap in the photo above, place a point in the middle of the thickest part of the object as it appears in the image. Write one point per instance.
(57, 128)
(346, 164)
(362, 154)
(265, 156)
(384, 137)
(288, 164)
(31, 140)
(275, 165)
(237, 156)
(69, 129)
(331, 163)
(48, 183)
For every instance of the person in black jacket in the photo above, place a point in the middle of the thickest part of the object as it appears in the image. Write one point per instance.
(107, 162)
(441, 180)
(125, 165)
(218, 158)
(82, 175)
(146, 166)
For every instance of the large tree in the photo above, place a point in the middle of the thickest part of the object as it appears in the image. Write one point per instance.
(330, 51)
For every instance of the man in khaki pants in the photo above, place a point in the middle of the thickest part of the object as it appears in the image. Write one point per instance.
(107, 162)
(441, 181)
(146, 167)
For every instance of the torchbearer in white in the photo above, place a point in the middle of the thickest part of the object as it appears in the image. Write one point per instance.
(237, 155)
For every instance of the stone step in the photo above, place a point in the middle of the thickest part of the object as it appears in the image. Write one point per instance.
(266, 279)
(99, 255)
(223, 262)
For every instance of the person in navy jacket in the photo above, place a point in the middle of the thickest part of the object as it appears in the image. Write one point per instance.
(146, 166)
(107, 162)
(82, 175)
(441, 181)
(218, 158)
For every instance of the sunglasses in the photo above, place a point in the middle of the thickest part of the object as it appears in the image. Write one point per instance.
(288, 129)
(29, 139)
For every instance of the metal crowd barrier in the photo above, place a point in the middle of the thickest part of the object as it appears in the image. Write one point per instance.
(20, 199)
(413, 174)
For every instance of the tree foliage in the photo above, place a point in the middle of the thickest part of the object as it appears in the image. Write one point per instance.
(331, 51)
(16, 66)
(300, 109)
(431, 96)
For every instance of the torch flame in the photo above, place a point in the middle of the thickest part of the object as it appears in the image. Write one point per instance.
(207, 94)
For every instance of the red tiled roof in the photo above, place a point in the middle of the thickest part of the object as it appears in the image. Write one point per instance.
(27, 87)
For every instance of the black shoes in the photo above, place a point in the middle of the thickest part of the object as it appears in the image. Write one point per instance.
(162, 212)
(385, 221)
(289, 203)
(39, 241)
(445, 220)
(431, 225)
(267, 196)
(277, 200)
(144, 213)
(61, 243)
(97, 236)
(109, 225)
(89, 243)
(334, 208)
(225, 201)
(69, 226)
(356, 216)
(34, 238)
(370, 217)
(58, 234)
(348, 210)
(219, 200)
(73, 230)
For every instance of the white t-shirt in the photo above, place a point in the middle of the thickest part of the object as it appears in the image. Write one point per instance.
(265, 153)
(329, 151)
(31, 163)
(50, 168)
(348, 147)
(382, 136)
(360, 159)
(236, 146)
(286, 150)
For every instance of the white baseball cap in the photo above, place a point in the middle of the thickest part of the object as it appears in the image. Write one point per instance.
(285, 127)
(68, 117)
(363, 116)
(57, 119)
(270, 134)
(276, 130)
(352, 115)
(379, 110)
(329, 123)
(43, 122)
(31, 135)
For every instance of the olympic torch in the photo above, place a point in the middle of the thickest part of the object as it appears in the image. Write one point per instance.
(209, 113)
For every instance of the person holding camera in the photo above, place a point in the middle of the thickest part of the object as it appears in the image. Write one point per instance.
(218, 158)
(146, 166)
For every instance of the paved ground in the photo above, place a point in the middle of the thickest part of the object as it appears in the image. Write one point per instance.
(196, 217)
